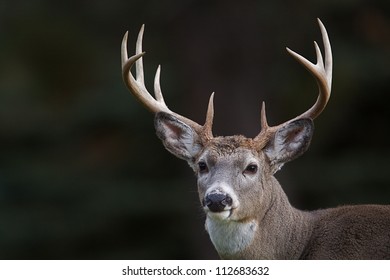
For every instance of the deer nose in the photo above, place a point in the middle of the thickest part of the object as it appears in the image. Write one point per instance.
(217, 202)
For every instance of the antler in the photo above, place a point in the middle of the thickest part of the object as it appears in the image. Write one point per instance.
(322, 72)
(137, 88)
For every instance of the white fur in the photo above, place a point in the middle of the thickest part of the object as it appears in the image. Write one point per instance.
(230, 237)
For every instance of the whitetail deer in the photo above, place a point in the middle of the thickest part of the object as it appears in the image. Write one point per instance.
(248, 216)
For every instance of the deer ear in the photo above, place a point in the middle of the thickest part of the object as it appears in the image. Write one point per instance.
(177, 137)
(289, 142)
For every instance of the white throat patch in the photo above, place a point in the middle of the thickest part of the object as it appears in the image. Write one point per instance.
(230, 237)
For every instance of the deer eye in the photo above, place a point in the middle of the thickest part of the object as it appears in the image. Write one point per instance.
(202, 167)
(251, 169)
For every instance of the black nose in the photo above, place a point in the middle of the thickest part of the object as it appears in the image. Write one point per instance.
(217, 202)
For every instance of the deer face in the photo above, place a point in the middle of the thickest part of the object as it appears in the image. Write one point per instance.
(232, 171)
(229, 172)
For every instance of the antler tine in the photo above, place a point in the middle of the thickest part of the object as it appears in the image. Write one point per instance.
(264, 123)
(208, 125)
(139, 64)
(157, 87)
(138, 89)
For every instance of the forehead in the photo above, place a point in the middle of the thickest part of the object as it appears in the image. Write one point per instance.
(229, 146)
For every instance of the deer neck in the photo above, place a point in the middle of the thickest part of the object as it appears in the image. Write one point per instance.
(280, 231)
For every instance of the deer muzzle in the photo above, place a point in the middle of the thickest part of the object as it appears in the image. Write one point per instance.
(217, 202)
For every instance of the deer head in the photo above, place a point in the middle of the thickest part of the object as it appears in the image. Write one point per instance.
(235, 174)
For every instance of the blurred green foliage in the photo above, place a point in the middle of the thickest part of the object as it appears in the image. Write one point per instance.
(82, 175)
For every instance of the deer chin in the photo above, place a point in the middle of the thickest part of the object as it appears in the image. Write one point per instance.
(225, 215)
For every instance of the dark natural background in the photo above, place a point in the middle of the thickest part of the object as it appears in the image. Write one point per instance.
(82, 175)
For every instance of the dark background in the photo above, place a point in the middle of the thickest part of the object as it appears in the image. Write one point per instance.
(82, 174)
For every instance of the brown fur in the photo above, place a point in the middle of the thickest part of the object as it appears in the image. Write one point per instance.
(350, 232)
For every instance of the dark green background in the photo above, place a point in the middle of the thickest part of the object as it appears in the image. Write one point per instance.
(82, 175)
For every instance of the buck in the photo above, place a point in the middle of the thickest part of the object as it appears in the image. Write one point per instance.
(248, 215)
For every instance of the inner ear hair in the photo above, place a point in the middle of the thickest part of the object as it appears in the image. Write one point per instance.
(289, 142)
